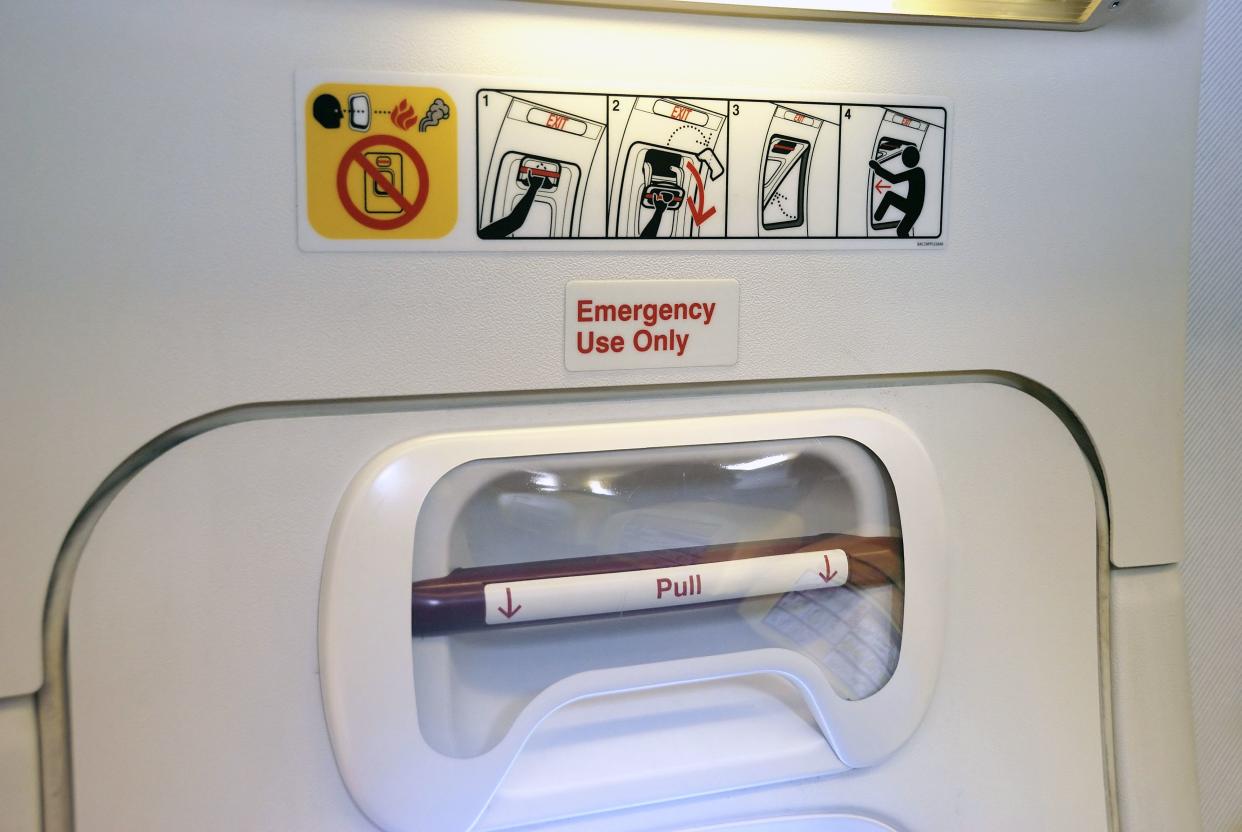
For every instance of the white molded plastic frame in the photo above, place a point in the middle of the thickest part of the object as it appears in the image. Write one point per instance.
(366, 665)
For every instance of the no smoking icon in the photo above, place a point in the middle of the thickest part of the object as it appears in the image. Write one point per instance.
(373, 177)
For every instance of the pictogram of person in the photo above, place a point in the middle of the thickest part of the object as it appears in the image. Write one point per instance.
(327, 111)
(911, 205)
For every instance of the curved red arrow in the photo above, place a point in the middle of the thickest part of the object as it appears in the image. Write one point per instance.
(698, 213)
(508, 610)
(831, 573)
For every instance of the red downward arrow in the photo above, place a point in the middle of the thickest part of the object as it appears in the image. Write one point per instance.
(508, 610)
(881, 186)
(832, 573)
(698, 213)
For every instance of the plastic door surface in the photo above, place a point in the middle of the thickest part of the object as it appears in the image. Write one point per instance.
(195, 626)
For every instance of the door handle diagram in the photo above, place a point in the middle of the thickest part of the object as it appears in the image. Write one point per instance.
(660, 196)
(516, 218)
(546, 169)
(539, 170)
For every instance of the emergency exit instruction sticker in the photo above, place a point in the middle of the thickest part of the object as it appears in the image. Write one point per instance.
(421, 163)
(380, 161)
(645, 324)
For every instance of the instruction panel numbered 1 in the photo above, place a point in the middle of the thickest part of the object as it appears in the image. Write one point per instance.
(662, 167)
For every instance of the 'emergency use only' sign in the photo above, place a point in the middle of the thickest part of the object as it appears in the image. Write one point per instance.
(645, 324)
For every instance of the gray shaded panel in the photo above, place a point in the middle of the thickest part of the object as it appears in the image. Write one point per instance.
(1214, 429)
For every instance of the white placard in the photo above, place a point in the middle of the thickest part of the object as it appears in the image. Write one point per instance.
(644, 324)
(644, 589)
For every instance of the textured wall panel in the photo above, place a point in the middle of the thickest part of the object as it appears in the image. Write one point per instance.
(1213, 567)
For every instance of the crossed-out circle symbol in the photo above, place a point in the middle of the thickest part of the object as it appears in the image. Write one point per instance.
(409, 208)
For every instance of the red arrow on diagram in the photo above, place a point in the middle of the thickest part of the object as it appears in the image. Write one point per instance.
(881, 186)
(508, 610)
(698, 213)
(831, 573)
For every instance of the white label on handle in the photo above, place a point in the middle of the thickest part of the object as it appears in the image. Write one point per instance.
(644, 589)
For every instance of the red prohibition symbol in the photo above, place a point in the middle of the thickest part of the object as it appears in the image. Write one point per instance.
(409, 209)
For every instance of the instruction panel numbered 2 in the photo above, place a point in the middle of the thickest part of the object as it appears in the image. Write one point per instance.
(573, 170)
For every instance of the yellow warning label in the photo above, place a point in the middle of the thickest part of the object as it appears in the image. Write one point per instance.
(381, 162)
